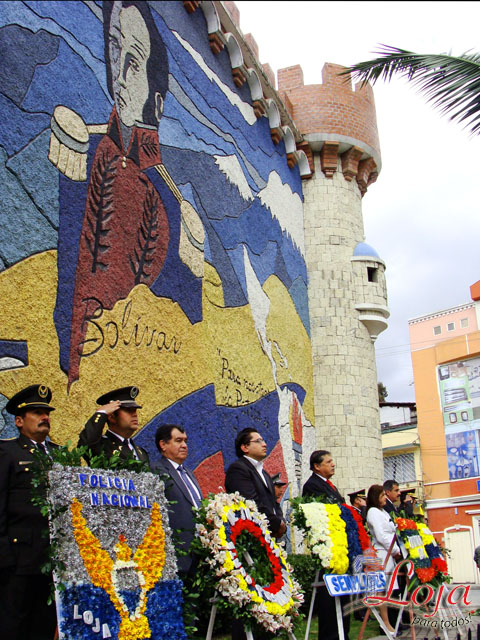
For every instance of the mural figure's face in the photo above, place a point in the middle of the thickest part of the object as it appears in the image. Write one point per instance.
(35, 424)
(129, 44)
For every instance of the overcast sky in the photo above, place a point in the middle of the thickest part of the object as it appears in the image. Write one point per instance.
(422, 214)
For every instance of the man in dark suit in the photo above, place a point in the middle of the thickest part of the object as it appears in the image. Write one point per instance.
(182, 489)
(24, 590)
(319, 484)
(392, 491)
(246, 475)
(118, 411)
(323, 467)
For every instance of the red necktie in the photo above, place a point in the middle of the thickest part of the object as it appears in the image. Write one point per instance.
(332, 485)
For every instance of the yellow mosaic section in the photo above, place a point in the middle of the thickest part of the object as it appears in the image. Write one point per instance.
(149, 342)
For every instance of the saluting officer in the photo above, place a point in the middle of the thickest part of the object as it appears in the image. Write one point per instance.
(24, 590)
(118, 411)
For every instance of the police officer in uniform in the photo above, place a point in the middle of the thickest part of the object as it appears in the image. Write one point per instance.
(24, 590)
(118, 412)
(358, 500)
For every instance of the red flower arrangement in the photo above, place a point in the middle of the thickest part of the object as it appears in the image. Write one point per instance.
(248, 525)
(425, 574)
(404, 524)
(440, 565)
(362, 534)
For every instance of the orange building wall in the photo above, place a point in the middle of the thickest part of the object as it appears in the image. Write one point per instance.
(440, 519)
(430, 423)
(431, 429)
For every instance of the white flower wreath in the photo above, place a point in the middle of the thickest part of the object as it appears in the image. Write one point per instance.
(272, 605)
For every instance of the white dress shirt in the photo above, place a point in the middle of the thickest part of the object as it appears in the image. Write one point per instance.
(187, 486)
(258, 464)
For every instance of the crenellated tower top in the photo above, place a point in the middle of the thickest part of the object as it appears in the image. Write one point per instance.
(335, 120)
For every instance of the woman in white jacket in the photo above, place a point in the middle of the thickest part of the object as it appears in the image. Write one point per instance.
(382, 532)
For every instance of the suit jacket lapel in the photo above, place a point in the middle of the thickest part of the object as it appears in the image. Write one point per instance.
(266, 487)
(178, 480)
(116, 443)
(326, 488)
(140, 454)
(26, 444)
(269, 482)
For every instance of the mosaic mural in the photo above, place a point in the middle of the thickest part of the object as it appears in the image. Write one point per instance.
(152, 233)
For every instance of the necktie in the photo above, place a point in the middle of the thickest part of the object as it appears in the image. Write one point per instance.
(42, 448)
(192, 490)
(332, 485)
(127, 449)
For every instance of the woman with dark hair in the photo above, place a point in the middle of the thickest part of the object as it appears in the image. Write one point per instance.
(382, 531)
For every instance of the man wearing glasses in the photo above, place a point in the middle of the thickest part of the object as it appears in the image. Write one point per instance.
(247, 476)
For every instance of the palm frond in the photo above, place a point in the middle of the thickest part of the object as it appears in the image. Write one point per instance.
(451, 84)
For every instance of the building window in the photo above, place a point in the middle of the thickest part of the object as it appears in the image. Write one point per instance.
(451, 326)
(400, 468)
(372, 274)
(437, 330)
(464, 323)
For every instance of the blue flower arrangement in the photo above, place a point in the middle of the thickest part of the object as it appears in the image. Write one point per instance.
(353, 539)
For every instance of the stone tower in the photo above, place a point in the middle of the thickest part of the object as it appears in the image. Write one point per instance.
(347, 291)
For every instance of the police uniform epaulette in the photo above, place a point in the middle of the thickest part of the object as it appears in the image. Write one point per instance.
(8, 439)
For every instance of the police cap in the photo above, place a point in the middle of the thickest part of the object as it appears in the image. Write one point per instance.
(126, 396)
(357, 494)
(36, 396)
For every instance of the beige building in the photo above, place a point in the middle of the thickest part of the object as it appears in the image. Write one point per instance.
(401, 445)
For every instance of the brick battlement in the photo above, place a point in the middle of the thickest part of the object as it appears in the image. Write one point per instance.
(332, 108)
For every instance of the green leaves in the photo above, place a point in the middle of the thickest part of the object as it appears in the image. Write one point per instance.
(261, 571)
(451, 84)
(114, 462)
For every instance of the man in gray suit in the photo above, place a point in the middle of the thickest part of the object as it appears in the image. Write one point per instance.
(181, 488)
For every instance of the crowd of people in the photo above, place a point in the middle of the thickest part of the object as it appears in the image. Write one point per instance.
(24, 589)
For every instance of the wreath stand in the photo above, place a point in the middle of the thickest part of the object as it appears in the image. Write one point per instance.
(213, 611)
(446, 612)
(399, 616)
(338, 608)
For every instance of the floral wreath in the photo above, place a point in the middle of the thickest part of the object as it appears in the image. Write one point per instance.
(429, 564)
(326, 535)
(125, 576)
(223, 518)
(335, 535)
